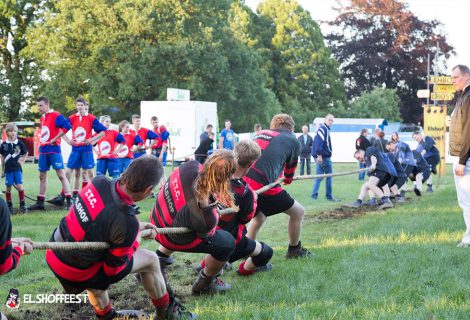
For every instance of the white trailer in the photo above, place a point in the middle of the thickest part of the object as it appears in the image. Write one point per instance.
(185, 120)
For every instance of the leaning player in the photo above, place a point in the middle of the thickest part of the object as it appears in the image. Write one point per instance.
(427, 148)
(421, 173)
(379, 175)
(105, 211)
(280, 150)
(189, 198)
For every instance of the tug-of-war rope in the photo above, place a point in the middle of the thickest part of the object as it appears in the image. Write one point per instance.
(96, 246)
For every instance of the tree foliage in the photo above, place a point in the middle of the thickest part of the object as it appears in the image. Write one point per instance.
(18, 73)
(381, 42)
(302, 73)
(124, 51)
(379, 103)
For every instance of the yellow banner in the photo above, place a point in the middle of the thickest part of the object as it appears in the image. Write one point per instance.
(440, 80)
(442, 96)
(444, 88)
(435, 127)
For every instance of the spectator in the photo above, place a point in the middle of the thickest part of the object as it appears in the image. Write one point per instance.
(306, 142)
(321, 151)
(202, 152)
(362, 144)
(205, 135)
(375, 136)
(227, 138)
(256, 129)
(459, 144)
(395, 138)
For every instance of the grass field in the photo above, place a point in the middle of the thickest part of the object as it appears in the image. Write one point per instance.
(398, 264)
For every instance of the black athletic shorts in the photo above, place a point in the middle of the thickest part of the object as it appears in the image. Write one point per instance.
(392, 181)
(400, 182)
(409, 169)
(271, 205)
(100, 281)
(415, 172)
(220, 246)
(383, 177)
(244, 248)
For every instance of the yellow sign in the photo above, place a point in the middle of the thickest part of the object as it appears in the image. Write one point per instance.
(444, 88)
(441, 96)
(440, 80)
(435, 127)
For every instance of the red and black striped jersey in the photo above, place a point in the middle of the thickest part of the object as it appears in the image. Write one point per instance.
(9, 257)
(245, 200)
(280, 150)
(177, 206)
(102, 212)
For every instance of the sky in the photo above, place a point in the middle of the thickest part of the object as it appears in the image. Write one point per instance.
(454, 14)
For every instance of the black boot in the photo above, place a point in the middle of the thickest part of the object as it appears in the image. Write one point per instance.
(59, 200)
(297, 252)
(23, 208)
(209, 285)
(68, 202)
(10, 206)
(39, 205)
(174, 311)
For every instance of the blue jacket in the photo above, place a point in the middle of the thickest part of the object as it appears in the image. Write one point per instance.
(322, 142)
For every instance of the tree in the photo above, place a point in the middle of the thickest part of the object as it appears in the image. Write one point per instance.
(126, 51)
(301, 71)
(379, 103)
(381, 43)
(18, 73)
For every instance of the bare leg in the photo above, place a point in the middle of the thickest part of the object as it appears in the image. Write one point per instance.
(212, 266)
(42, 182)
(99, 299)
(147, 265)
(255, 225)
(249, 262)
(63, 180)
(296, 216)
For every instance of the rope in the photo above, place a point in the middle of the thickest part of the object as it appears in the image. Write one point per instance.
(97, 246)
(279, 181)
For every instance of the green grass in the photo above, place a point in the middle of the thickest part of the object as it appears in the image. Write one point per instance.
(398, 264)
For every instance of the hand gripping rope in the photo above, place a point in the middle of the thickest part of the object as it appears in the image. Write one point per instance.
(104, 245)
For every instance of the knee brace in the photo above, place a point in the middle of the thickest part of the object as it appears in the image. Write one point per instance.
(264, 256)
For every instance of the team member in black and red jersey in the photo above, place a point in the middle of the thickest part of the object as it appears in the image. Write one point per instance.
(11, 250)
(279, 153)
(53, 127)
(105, 211)
(189, 198)
(258, 253)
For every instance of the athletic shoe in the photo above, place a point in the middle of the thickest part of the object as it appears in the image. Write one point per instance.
(227, 266)
(68, 203)
(417, 192)
(386, 204)
(372, 202)
(23, 208)
(356, 204)
(267, 267)
(39, 205)
(209, 285)
(175, 311)
(297, 252)
(430, 188)
(399, 199)
(59, 200)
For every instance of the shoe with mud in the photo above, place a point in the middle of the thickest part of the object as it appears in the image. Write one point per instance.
(39, 205)
(59, 200)
(399, 199)
(209, 285)
(417, 192)
(175, 311)
(386, 204)
(298, 252)
(267, 267)
(372, 202)
(356, 204)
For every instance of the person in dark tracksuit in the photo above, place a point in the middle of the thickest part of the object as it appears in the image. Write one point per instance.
(306, 142)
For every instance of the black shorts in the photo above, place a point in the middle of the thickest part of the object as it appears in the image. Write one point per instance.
(400, 182)
(271, 205)
(220, 246)
(392, 181)
(244, 248)
(383, 177)
(426, 174)
(100, 281)
(409, 169)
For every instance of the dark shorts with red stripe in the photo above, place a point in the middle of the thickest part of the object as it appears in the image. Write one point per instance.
(244, 248)
(270, 205)
(100, 281)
